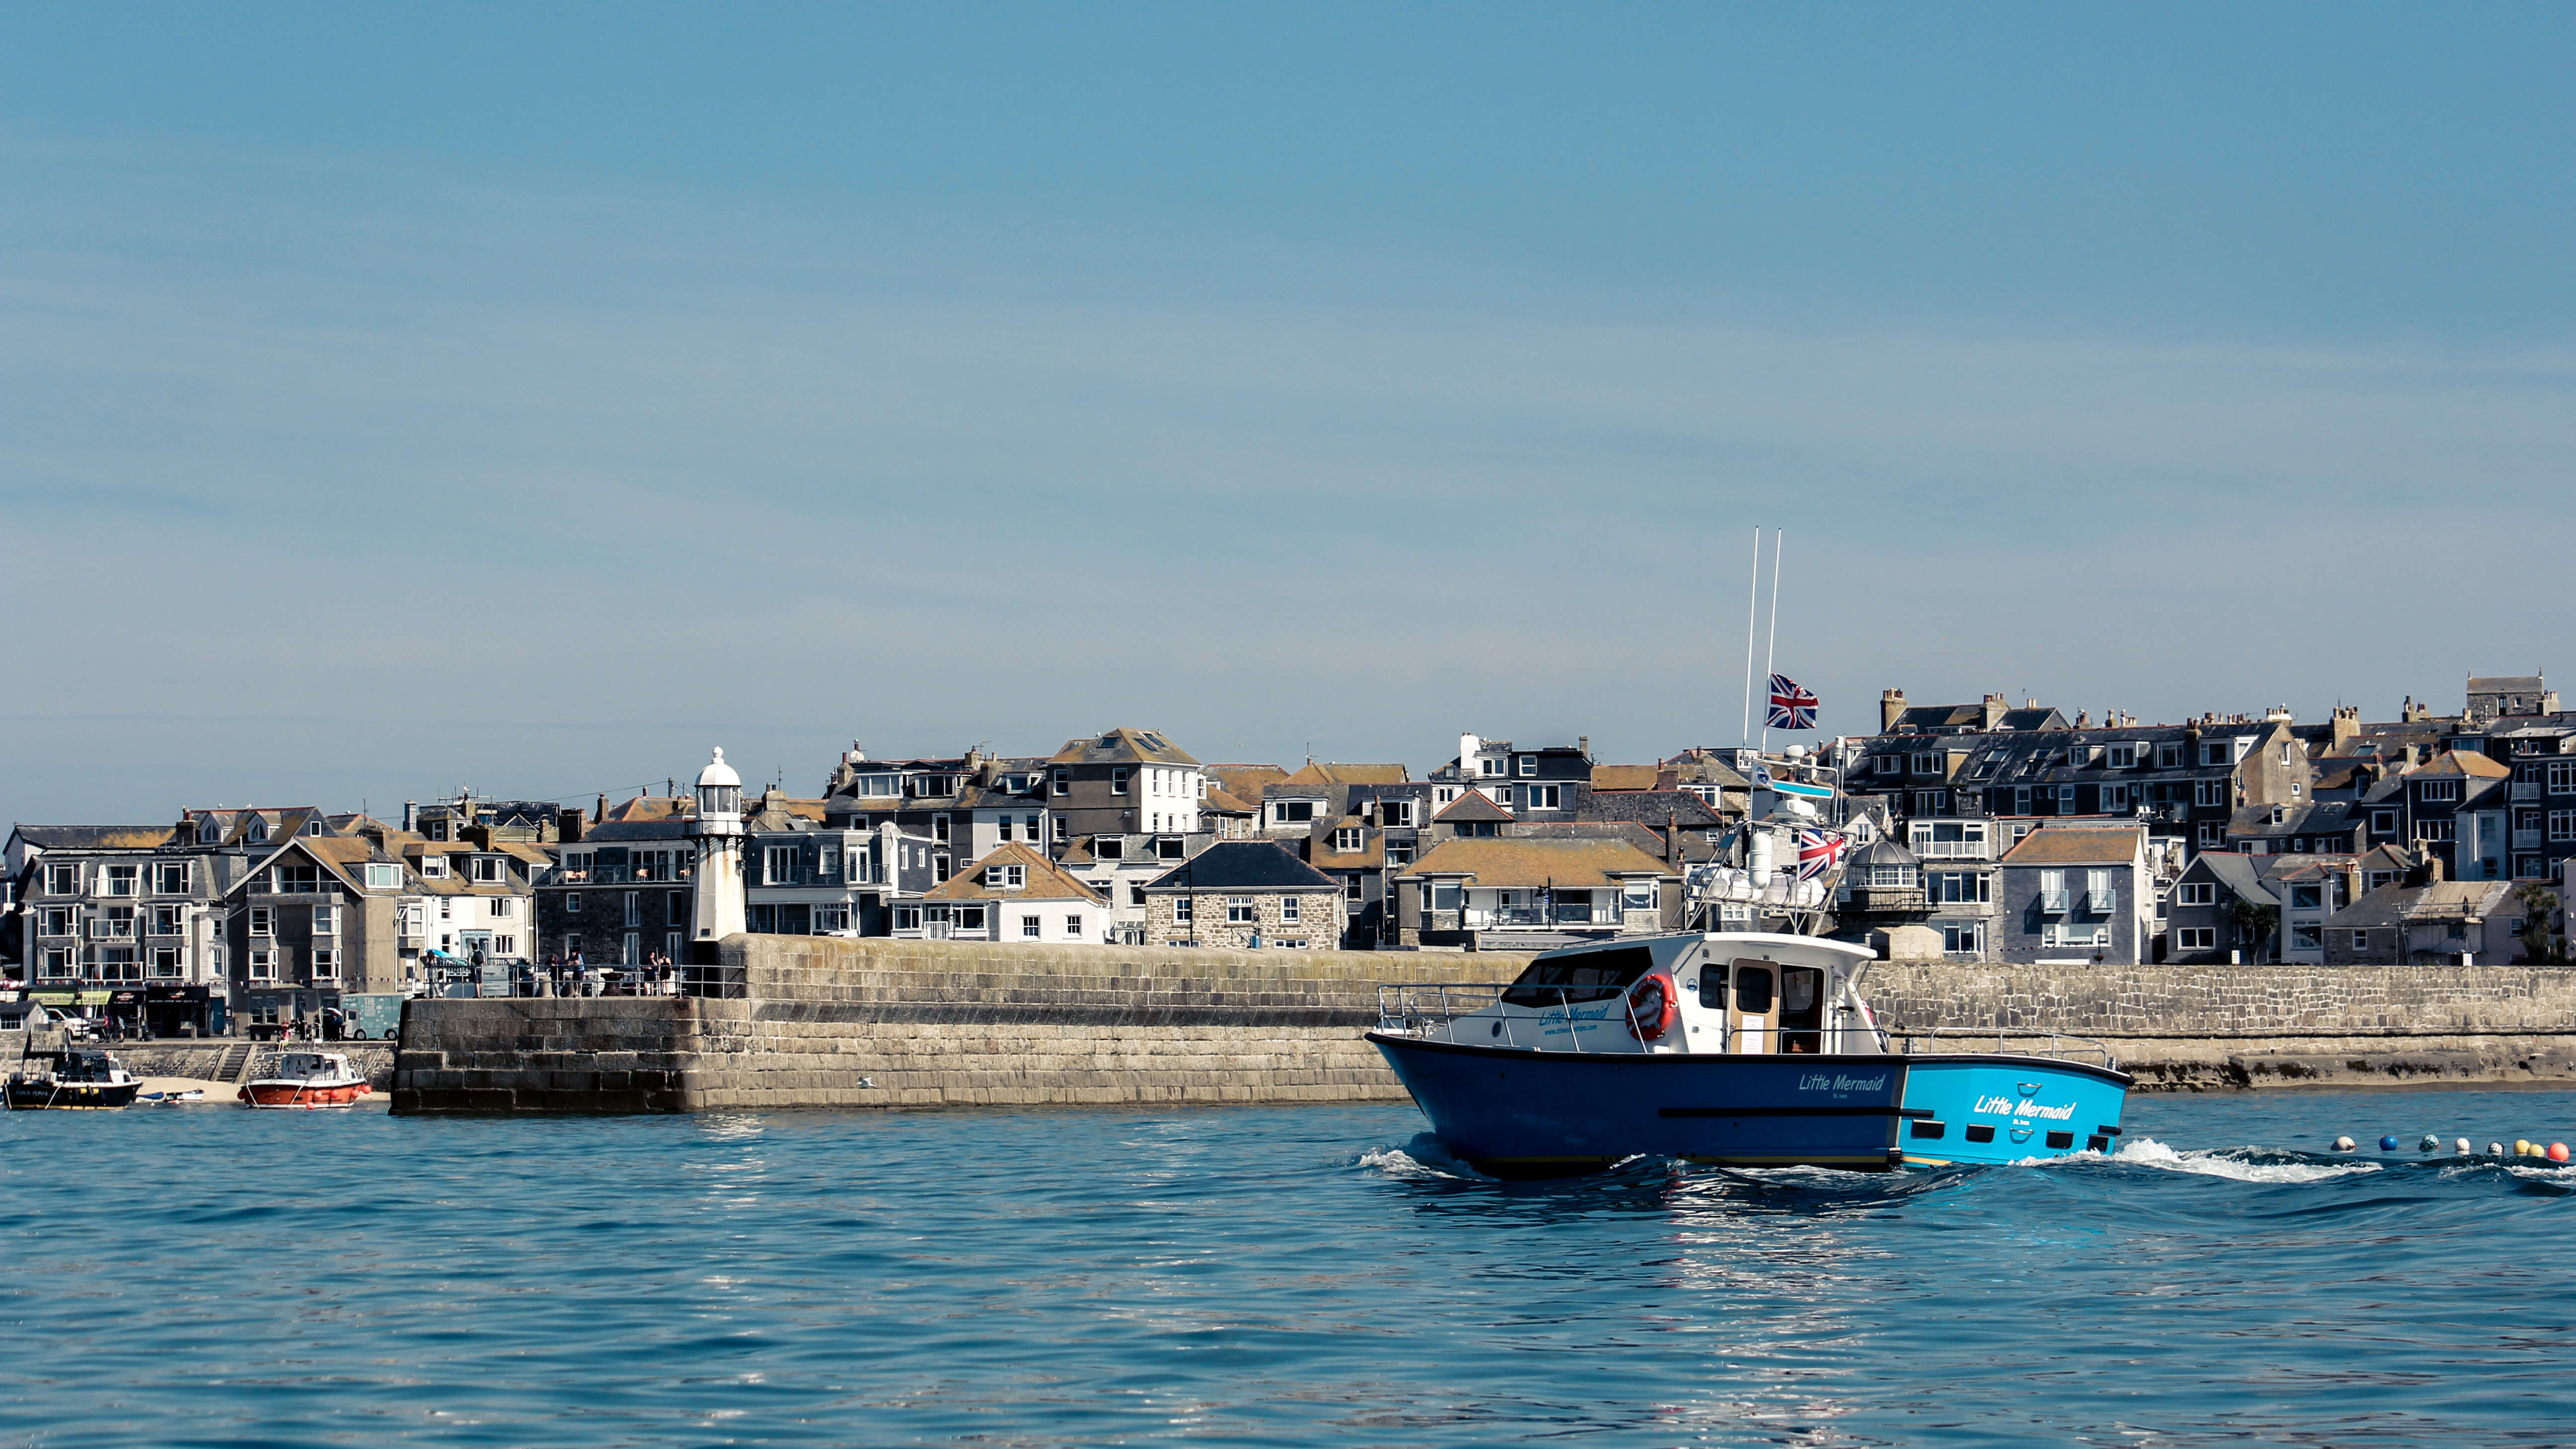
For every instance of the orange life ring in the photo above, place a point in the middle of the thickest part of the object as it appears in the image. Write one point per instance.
(1647, 1023)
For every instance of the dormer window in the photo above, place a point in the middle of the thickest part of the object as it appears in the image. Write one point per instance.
(2120, 757)
(208, 832)
(433, 867)
(1346, 839)
(1529, 765)
(1489, 767)
(258, 832)
(2280, 814)
(1006, 877)
(312, 827)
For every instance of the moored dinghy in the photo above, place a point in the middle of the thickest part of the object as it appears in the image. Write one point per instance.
(1740, 1048)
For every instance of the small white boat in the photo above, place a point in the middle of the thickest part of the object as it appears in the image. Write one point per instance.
(303, 1080)
(173, 1099)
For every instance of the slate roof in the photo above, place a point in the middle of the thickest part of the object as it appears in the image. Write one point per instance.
(2078, 845)
(621, 832)
(1221, 802)
(2307, 817)
(2508, 684)
(1533, 862)
(2239, 873)
(1244, 865)
(2452, 763)
(2396, 905)
(1370, 855)
(1472, 806)
(1044, 881)
(1122, 746)
(652, 807)
(1654, 807)
(99, 837)
(1317, 772)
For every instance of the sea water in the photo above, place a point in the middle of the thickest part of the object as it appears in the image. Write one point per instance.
(1269, 1276)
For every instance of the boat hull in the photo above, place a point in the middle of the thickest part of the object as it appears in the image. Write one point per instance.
(302, 1096)
(72, 1096)
(1521, 1113)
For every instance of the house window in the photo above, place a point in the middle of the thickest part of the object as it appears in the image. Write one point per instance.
(1117, 786)
(2214, 752)
(2121, 757)
(2562, 825)
(1966, 887)
(827, 861)
(263, 921)
(634, 908)
(1346, 839)
(2052, 890)
(2021, 800)
(2115, 798)
(1395, 812)
(1029, 924)
(1060, 830)
(290, 880)
(1170, 847)
(2383, 822)
(165, 960)
(123, 880)
(2304, 936)
(1963, 938)
(939, 828)
(382, 877)
(2065, 799)
(326, 963)
(2196, 893)
(1399, 852)
(632, 953)
(2441, 831)
(2169, 757)
(504, 907)
(1931, 802)
(1292, 812)
(2209, 793)
(54, 921)
(165, 920)
(62, 880)
(572, 903)
(2307, 898)
(1059, 781)
(486, 868)
(1184, 910)
(1489, 767)
(263, 965)
(2562, 777)
(170, 878)
(2280, 814)
(1529, 764)
(1073, 927)
(1637, 895)
(1238, 911)
(1928, 763)
(1108, 847)
(1135, 892)
(1351, 889)
(2098, 895)
(57, 963)
(1292, 909)
(2196, 938)
(2437, 791)
(939, 865)
(907, 918)
(1540, 797)
(326, 921)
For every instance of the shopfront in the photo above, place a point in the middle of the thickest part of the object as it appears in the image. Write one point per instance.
(179, 1011)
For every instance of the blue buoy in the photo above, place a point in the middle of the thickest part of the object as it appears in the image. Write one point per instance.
(2388, 1143)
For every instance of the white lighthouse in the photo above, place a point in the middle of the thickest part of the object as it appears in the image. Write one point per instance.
(718, 833)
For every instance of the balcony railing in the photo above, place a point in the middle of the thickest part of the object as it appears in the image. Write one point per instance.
(2527, 839)
(2053, 902)
(2526, 789)
(1532, 918)
(2101, 903)
(1926, 848)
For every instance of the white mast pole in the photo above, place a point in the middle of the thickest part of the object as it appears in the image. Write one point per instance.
(1770, 651)
(1752, 613)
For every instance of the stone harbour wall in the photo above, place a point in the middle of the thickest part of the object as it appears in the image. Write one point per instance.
(821, 1022)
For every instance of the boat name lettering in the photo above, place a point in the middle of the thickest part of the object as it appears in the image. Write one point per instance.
(2024, 1108)
(1819, 1082)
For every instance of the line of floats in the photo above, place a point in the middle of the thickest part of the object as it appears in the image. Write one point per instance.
(2522, 1147)
(88, 1079)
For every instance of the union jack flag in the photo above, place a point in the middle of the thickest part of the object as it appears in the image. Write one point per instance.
(1792, 707)
(1819, 851)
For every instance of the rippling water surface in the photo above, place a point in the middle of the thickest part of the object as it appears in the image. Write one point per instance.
(1267, 1276)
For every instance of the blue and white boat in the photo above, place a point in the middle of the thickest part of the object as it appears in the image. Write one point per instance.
(1744, 1048)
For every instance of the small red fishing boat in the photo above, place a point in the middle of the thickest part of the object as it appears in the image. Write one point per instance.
(306, 1080)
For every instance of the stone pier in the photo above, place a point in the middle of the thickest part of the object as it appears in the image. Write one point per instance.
(795, 1021)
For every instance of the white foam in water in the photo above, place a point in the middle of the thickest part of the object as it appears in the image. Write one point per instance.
(1421, 1157)
(2148, 1152)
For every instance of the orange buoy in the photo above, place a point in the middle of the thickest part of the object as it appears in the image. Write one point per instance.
(2558, 1152)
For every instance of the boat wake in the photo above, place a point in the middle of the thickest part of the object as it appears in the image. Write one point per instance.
(2243, 1164)
(1422, 1159)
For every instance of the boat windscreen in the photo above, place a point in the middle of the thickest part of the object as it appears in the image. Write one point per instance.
(1588, 976)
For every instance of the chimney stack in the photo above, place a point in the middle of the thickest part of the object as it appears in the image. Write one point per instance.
(1891, 708)
(568, 824)
(411, 815)
(1994, 711)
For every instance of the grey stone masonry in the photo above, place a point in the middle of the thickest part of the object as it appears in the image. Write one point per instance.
(827, 1022)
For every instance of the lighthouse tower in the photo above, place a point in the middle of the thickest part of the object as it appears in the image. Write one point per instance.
(718, 833)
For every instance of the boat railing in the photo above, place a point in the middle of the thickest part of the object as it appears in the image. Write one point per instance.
(2062, 1045)
(1414, 1009)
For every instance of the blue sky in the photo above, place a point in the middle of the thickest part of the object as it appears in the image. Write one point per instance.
(393, 399)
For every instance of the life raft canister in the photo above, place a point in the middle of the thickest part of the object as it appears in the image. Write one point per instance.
(1652, 1007)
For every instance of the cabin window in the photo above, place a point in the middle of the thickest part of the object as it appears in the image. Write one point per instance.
(1752, 988)
(1802, 1009)
(1586, 976)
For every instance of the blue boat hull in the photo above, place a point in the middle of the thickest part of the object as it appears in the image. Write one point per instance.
(1520, 1113)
